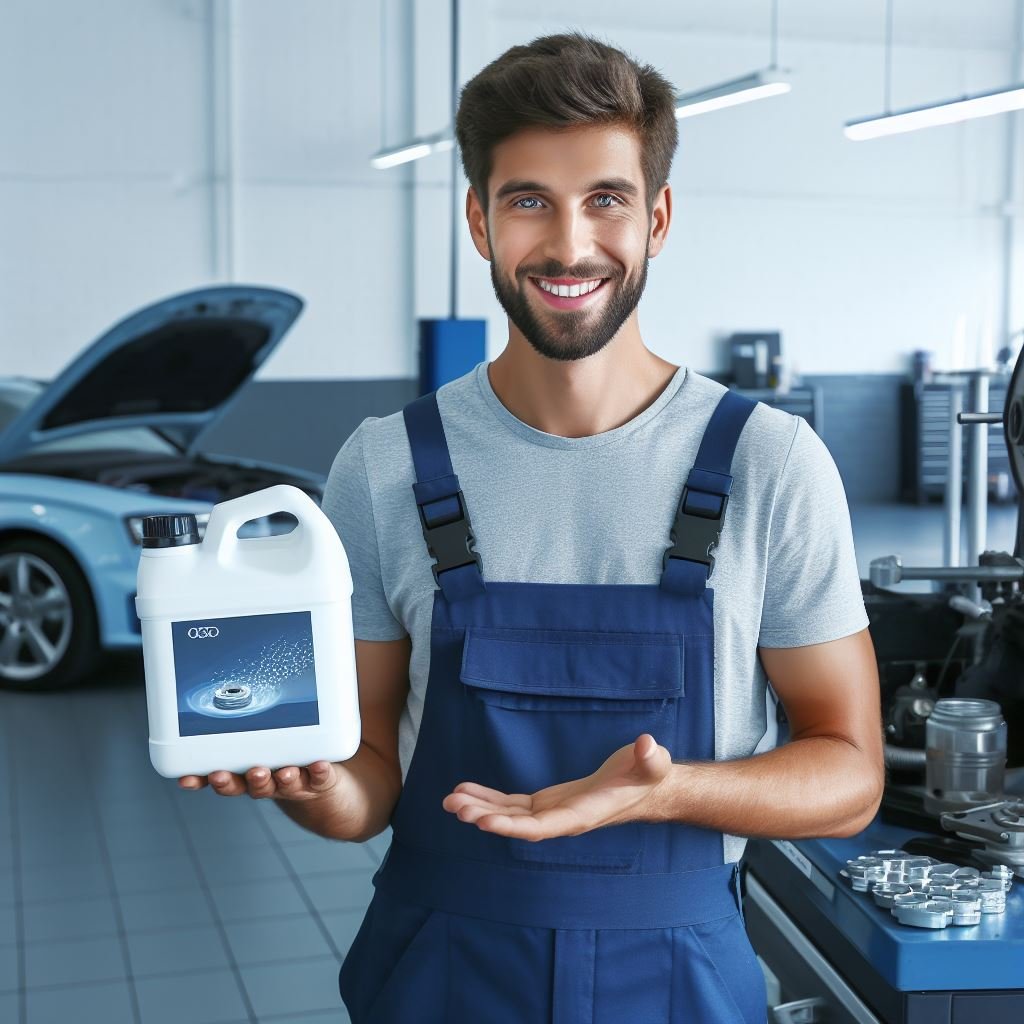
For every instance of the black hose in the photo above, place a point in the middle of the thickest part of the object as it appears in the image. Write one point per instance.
(904, 758)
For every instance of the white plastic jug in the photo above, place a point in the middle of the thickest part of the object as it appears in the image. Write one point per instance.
(247, 642)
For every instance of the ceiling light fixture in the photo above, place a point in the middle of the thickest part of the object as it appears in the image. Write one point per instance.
(414, 149)
(758, 85)
(965, 108)
(999, 101)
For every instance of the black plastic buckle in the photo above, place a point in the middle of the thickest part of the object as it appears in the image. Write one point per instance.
(450, 543)
(694, 534)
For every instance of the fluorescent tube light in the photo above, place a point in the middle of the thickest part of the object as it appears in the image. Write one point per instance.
(415, 149)
(952, 111)
(759, 85)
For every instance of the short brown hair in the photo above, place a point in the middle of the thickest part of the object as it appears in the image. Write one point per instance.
(566, 81)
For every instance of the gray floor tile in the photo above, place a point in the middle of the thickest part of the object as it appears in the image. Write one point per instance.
(6, 886)
(87, 880)
(143, 841)
(328, 855)
(166, 908)
(287, 831)
(8, 926)
(107, 1002)
(58, 851)
(228, 867)
(343, 925)
(276, 939)
(133, 778)
(207, 997)
(75, 960)
(176, 951)
(9, 1004)
(36, 836)
(349, 891)
(208, 805)
(121, 813)
(273, 898)
(74, 919)
(39, 817)
(339, 1016)
(150, 874)
(378, 845)
(8, 969)
(293, 987)
(239, 834)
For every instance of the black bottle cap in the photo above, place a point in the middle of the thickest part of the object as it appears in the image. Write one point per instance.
(169, 531)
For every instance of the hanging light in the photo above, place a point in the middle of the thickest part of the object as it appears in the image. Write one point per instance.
(758, 85)
(999, 101)
(414, 149)
(966, 108)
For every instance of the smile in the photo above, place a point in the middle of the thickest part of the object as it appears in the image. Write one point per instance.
(562, 295)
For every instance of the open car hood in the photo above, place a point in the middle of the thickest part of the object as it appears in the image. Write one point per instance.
(175, 366)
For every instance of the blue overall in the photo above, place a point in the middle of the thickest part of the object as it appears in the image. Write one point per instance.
(533, 684)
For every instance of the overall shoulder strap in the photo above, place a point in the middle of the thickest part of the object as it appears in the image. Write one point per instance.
(444, 519)
(688, 563)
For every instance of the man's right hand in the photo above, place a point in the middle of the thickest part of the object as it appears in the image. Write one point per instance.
(350, 800)
(289, 783)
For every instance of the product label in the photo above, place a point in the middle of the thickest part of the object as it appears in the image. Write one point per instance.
(245, 673)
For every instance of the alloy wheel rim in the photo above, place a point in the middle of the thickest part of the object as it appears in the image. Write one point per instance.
(35, 616)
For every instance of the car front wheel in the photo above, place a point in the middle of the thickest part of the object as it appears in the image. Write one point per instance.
(47, 616)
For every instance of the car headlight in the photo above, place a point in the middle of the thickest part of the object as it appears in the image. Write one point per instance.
(134, 524)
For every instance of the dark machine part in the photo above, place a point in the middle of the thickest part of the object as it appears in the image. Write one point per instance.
(1013, 432)
(908, 711)
(999, 676)
(920, 650)
(998, 827)
(927, 650)
(756, 359)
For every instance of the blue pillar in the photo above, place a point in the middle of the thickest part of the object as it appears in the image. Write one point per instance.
(449, 349)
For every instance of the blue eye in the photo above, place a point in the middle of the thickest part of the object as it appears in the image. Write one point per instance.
(526, 199)
(607, 195)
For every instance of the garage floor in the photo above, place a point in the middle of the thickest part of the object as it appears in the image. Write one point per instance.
(125, 899)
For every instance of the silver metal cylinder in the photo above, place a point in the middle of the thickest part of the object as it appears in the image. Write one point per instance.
(965, 754)
(954, 495)
(977, 481)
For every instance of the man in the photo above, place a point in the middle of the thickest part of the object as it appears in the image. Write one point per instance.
(540, 622)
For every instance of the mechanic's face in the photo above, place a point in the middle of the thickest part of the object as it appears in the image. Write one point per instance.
(567, 208)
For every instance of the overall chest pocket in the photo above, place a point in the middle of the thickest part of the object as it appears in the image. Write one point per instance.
(550, 706)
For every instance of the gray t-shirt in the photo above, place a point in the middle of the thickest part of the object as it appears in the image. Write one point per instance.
(598, 509)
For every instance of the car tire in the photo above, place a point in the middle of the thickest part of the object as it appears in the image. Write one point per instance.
(48, 629)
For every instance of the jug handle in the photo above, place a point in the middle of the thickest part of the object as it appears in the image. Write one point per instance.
(227, 516)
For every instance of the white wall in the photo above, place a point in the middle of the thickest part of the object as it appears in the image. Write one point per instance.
(110, 195)
(859, 252)
(106, 183)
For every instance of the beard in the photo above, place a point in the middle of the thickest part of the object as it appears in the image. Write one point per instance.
(568, 335)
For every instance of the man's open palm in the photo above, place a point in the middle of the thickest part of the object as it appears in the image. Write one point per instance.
(620, 790)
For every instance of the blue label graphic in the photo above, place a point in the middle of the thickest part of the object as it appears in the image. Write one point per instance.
(245, 673)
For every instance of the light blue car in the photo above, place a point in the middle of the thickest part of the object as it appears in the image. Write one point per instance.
(112, 439)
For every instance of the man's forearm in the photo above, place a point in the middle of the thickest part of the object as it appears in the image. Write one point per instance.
(816, 786)
(360, 805)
